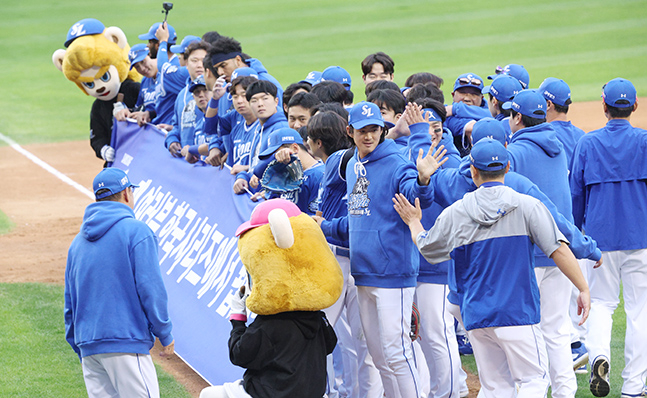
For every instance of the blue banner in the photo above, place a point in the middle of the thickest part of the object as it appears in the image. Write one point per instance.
(194, 213)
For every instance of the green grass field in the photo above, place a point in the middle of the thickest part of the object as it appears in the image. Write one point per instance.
(5, 223)
(36, 359)
(585, 42)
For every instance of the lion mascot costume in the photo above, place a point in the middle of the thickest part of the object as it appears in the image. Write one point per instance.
(96, 60)
(294, 275)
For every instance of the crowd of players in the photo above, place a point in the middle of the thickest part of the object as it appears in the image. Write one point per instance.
(221, 106)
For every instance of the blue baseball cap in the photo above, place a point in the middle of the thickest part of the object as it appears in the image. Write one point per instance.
(278, 138)
(555, 90)
(113, 179)
(489, 155)
(337, 74)
(364, 114)
(181, 48)
(514, 70)
(150, 35)
(244, 71)
(313, 78)
(503, 88)
(199, 81)
(84, 27)
(468, 80)
(137, 53)
(488, 128)
(529, 103)
(619, 93)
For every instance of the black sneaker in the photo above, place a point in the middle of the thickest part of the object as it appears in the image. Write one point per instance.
(599, 382)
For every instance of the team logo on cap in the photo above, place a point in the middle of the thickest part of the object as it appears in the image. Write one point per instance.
(77, 29)
(366, 111)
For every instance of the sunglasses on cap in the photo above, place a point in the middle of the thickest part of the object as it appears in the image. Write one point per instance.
(463, 81)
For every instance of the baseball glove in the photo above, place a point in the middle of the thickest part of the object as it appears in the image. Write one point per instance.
(280, 177)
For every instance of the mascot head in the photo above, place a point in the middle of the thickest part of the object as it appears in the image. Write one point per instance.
(288, 259)
(96, 59)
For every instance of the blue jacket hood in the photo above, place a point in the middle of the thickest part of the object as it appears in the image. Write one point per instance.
(99, 217)
(543, 135)
(384, 149)
(256, 65)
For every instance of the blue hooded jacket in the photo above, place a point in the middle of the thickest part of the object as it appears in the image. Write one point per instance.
(535, 152)
(381, 251)
(115, 299)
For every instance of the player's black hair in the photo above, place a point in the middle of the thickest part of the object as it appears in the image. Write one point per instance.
(196, 45)
(244, 82)
(332, 107)
(112, 198)
(528, 121)
(211, 36)
(226, 45)
(349, 98)
(261, 86)
(380, 85)
(427, 90)
(438, 107)
(381, 58)
(619, 113)
(562, 108)
(423, 78)
(499, 106)
(303, 132)
(389, 99)
(289, 92)
(330, 128)
(330, 91)
(304, 100)
(489, 175)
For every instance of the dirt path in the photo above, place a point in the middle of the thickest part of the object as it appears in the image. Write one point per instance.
(47, 213)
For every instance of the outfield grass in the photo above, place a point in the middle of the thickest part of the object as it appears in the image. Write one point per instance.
(36, 359)
(617, 357)
(585, 42)
(5, 223)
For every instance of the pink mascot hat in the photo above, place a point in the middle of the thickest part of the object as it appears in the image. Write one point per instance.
(261, 212)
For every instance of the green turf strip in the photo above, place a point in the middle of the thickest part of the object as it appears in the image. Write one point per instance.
(5, 223)
(36, 359)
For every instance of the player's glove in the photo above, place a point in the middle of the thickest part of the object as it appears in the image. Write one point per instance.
(280, 177)
(108, 153)
(237, 305)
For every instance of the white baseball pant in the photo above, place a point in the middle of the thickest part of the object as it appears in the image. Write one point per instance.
(122, 375)
(630, 267)
(386, 318)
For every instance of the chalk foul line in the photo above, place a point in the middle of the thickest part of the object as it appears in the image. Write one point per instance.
(46, 166)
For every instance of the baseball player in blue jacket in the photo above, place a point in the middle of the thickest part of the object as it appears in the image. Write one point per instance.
(489, 233)
(610, 203)
(111, 317)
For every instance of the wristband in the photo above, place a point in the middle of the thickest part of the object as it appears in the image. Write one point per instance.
(213, 103)
(193, 150)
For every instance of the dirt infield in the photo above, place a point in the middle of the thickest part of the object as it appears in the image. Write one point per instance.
(47, 213)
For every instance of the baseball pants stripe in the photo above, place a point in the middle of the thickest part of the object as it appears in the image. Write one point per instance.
(386, 319)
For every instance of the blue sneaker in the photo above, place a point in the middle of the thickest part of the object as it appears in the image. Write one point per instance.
(580, 357)
(464, 345)
(599, 381)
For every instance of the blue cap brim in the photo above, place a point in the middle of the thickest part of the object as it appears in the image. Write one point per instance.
(138, 58)
(269, 151)
(177, 49)
(147, 36)
(507, 105)
(486, 89)
(367, 122)
(492, 77)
